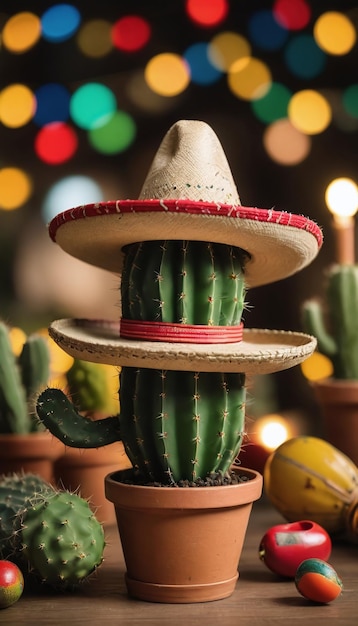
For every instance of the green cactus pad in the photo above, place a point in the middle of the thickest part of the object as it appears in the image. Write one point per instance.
(61, 539)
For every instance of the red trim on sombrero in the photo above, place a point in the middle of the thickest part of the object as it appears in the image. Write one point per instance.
(189, 207)
(180, 333)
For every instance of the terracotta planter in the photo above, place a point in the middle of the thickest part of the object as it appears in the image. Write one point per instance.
(34, 453)
(85, 470)
(182, 544)
(338, 400)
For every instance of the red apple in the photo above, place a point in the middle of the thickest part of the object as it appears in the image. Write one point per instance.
(11, 584)
(285, 546)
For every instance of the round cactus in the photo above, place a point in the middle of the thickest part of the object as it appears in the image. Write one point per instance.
(52, 534)
(61, 539)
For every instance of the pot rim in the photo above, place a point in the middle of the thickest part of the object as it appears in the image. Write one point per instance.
(124, 495)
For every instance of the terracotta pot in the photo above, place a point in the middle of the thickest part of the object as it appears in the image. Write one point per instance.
(338, 400)
(34, 453)
(182, 544)
(85, 470)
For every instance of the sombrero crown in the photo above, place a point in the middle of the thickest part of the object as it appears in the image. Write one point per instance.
(189, 192)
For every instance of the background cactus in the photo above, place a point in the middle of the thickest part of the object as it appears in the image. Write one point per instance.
(53, 535)
(335, 323)
(174, 425)
(21, 378)
(93, 387)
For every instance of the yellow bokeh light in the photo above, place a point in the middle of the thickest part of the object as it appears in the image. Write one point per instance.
(317, 367)
(17, 339)
(167, 74)
(226, 48)
(15, 188)
(309, 111)
(342, 197)
(21, 32)
(17, 105)
(285, 144)
(94, 38)
(334, 33)
(272, 430)
(249, 78)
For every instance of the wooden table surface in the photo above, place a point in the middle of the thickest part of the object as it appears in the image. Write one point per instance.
(260, 599)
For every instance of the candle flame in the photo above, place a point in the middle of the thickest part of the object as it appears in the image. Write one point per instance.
(342, 198)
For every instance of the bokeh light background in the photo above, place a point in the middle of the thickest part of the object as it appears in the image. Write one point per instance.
(88, 89)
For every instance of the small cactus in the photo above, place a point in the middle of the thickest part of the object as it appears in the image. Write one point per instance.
(52, 535)
(21, 378)
(335, 323)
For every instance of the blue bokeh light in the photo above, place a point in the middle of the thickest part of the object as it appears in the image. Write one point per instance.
(202, 71)
(60, 22)
(265, 32)
(52, 104)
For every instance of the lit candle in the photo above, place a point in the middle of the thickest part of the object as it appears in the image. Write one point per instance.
(342, 200)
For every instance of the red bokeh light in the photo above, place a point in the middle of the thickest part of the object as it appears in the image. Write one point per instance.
(292, 14)
(56, 143)
(206, 13)
(130, 33)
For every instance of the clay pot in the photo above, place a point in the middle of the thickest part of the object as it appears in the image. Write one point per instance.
(338, 400)
(34, 453)
(84, 471)
(182, 544)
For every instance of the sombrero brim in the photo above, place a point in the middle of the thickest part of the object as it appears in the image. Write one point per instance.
(260, 351)
(279, 244)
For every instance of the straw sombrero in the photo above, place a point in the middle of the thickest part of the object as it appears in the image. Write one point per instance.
(188, 194)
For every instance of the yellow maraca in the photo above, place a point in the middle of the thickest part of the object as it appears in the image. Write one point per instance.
(308, 478)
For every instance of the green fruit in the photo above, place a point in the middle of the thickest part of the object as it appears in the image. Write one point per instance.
(11, 584)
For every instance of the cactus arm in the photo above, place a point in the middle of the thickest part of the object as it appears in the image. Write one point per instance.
(313, 321)
(13, 405)
(58, 415)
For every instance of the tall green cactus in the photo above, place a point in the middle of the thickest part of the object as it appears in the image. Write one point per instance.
(335, 323)
(175, 425)
(20, 380)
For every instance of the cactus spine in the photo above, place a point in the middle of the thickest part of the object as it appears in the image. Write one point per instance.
(53, 535)
(336, 325)
(174, 425)
(20, 380)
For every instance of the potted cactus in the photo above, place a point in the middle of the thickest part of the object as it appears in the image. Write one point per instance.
(186, 251)
(24, 443)
(335, 325)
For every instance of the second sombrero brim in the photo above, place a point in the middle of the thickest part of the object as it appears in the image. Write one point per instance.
(260, 352)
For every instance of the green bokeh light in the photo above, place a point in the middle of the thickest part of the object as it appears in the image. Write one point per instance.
(350, 100)
(115, 136)
(92, 105)
(273, 105)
